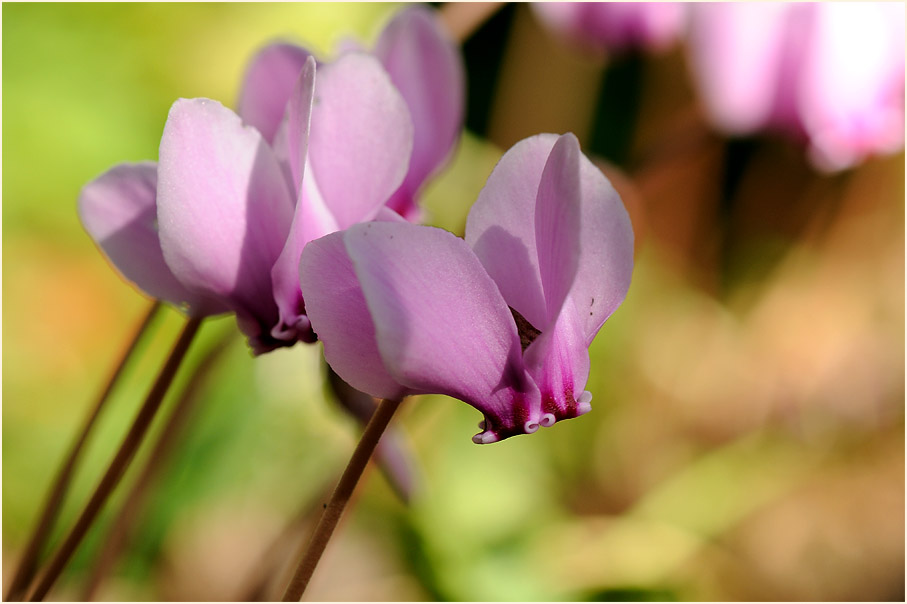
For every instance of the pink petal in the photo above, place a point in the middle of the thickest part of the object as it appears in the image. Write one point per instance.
(268, 84)
(558, 361)
(606, 244)
(224, 211)
(852, 89)
(557, 224)
(736, 50)
(500, 227)
(339, 314)
(427, 69)
(441, 323)
(361, 138)
(293, 323)
(118, 210)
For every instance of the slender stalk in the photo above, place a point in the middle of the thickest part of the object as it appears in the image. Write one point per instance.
(28, 566)
(169, 436)
(334, 509)
(120, 462)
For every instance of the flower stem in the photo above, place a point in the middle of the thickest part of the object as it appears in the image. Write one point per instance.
(28, 566)
(182, 411)
(334, 509)
(120, 462)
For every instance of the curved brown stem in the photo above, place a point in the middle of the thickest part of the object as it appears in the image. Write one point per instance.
(120, 462)
(334, 509)
(28, 566)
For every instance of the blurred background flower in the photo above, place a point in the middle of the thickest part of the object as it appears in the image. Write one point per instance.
(746, 439)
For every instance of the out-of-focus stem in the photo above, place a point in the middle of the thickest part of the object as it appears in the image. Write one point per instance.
(125, 520)
(28, 566)
(334, 509)
(462, 19)
(120, 462)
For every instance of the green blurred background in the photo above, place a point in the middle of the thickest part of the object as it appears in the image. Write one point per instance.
(747, 434)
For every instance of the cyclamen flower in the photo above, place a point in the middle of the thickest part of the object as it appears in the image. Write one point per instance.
(830, 75)
(233, 213)
(502, 320)
(236, 205)
(423, 64)
(616, 26)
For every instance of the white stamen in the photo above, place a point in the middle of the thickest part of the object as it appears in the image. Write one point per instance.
(530, 427)
(548, 420)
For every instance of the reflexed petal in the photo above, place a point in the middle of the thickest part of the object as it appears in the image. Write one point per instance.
(441, 323)
(427, 69)
(119, 212)
(500, 227)
(606, 244)
(338, 312)
(735, 52)
(299, 114)
(268, 84)
(852, 91)
(224, 209)
(557, 224)
(293, 323)
(361, 138)
(558, 361)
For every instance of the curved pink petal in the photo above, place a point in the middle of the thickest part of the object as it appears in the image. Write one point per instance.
(118, 210)
(339, 314)
(293, 323)
(606, 243)
(852, 89)
(735, 51)
(268, 85)
(360, 140)
(441, 323)
(500, 227)
(427, 69)
(557, 224)
(224, 211)
(558, 361)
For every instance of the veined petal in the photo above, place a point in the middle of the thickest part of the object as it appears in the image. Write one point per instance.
(118, 210)
(558, 361)
(293, 323)
(339, 314)
(500, 227)
(268, 85)
(224, 211)
(606, 257)
(441, 323)
(557, 224)
(427, 69)
(361, 137)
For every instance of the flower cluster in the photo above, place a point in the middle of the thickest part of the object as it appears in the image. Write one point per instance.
(830, 75)
(219, 222)
(293, 215)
